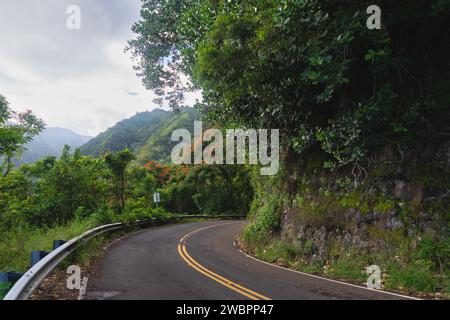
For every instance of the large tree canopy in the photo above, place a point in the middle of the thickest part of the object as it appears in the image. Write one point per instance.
(310, 68)
(16, 129)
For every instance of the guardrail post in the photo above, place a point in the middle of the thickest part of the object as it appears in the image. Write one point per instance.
(58, 243)
(36, 256)
(11, 276)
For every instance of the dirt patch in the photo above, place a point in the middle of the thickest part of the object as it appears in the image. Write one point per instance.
(54, 287)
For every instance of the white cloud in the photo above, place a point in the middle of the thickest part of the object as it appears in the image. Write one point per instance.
(81, 79)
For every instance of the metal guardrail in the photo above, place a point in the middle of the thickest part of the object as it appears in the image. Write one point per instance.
(26, 285)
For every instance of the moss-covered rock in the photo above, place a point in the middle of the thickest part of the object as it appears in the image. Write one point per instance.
(397, 218)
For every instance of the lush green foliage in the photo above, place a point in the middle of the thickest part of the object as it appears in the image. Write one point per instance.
(129, 133)
(203, 189)
(311, 68)
(16, 129)
(157, 146)
(4, 288)
(118, 163)
(17, 243)
(264, 217)
(147, 134)
(50, 191)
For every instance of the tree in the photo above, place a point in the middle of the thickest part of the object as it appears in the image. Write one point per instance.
(142, 184)
(310, 68)
(16, 129)
(117, 163)
(155, 49)
(62, 189)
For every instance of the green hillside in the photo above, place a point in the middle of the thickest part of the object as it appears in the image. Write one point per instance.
(158, 145)
(147, 134)
(129, 133)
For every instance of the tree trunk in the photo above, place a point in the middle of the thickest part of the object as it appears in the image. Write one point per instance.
(122, 190)
(8, 166)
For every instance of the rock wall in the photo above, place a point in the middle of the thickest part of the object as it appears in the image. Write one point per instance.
(396, 203)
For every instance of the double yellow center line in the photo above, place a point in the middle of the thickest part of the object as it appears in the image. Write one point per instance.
(212, 275)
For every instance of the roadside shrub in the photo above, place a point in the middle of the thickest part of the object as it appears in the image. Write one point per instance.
(437, 251)
(264, 222)
(280, 252)
(103, 215)
(139, 209)
(414, 277)
(349, 266)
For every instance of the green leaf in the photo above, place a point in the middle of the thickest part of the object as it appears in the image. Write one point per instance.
(313, 75)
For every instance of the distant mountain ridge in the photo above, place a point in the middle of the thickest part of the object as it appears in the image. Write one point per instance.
(147, 134)
(50, 142)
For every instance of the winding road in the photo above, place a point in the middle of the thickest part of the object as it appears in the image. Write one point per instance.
(198, 261)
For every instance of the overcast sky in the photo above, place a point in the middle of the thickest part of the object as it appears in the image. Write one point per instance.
(76, 79)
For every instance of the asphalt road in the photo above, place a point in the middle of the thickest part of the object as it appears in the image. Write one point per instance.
(198, 261)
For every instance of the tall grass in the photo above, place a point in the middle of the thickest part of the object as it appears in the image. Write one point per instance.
(4, 288)
(16, 245)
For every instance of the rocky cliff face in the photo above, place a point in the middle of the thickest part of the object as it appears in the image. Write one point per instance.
(394, 214)
(409, 200)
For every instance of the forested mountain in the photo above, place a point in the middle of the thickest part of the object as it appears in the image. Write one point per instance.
(50, 142)
(158, 145)
(147, 134)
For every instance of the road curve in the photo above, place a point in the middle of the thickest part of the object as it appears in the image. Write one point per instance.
(198, 261)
